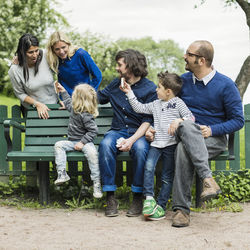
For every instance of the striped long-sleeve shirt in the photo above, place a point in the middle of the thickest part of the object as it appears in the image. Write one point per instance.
(164, 112)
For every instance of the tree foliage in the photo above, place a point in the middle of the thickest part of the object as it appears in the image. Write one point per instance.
(161, 56)
(243, 77)
(24, 16)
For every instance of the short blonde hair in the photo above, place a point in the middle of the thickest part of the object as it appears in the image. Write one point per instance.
(52, 58)
(84, 99)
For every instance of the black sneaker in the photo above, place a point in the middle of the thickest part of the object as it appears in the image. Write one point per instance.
(136, 207)
(112, 207)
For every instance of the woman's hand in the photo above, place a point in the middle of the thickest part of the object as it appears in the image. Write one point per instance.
(15, 60)
(42, 110)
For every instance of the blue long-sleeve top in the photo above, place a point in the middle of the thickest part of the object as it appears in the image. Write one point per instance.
(216, 104)
(124, 116)
(78, 69)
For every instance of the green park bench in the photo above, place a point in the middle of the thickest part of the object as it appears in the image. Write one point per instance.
(41, 135)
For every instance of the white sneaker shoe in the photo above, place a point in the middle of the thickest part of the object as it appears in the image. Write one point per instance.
(62, 177)
(97, 189)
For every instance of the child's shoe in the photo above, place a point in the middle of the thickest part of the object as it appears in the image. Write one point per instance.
(159, 214)
(62, 177)
(97, 189)
(149, 207)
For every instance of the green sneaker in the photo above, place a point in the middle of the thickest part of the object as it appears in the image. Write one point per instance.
(149, 207)
(159, 214)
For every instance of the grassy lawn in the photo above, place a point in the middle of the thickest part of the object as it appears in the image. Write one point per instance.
(8, 101)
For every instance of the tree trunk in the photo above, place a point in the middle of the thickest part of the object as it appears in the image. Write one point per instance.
(243, 77)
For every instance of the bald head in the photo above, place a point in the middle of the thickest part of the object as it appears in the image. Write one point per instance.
(205, 49)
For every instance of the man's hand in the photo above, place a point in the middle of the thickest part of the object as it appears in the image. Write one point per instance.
(79, 145)
(150, 134)
(174, 125)
(206, 131)
(126, 145)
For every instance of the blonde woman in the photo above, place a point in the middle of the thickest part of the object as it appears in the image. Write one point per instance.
(73, 65)
(81, 132)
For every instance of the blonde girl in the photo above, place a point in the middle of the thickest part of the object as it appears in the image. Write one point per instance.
(82, 130)
(72, 64)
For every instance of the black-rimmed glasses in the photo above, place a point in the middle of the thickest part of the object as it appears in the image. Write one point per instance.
(192, 54)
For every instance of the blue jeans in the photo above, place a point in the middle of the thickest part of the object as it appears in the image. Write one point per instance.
(89, 150)
(167, 174)
(107, 159)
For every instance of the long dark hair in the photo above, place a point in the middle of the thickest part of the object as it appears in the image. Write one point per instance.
(135, 61)
(25, 42)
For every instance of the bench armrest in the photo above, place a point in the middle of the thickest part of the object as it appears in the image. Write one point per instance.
(7, 124)
(231, 147)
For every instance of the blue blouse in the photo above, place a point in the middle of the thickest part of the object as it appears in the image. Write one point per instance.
(78, 69)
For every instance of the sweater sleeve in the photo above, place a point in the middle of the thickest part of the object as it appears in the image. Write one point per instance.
(67, 100)
(234, 119)
(103, 96)
(139, 107)
(184, 111)
(17, 85)
(90, 126)
(96, 75)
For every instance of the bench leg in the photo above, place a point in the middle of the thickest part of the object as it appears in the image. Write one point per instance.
(43, 182)
(198, 183)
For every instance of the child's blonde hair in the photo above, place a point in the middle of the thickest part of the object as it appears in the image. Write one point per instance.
(84, 99)
(52, 58)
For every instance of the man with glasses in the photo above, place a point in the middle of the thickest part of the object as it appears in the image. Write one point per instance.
(215, 102)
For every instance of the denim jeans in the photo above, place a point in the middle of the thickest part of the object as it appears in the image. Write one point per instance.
(192, 154)
(89, 151)
(167, 173)
(107, 159)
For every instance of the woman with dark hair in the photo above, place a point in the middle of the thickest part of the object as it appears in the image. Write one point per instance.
(31, 77)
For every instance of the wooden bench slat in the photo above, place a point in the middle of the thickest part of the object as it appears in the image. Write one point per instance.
(63, 122)
(46, 131)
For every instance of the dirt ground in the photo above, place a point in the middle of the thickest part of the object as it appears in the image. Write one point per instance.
(90, 229)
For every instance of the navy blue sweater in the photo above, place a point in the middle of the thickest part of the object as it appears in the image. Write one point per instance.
(77, 70)
(218, 104)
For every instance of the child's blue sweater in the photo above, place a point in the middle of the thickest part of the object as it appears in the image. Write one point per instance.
(77, 70)
(218, 104)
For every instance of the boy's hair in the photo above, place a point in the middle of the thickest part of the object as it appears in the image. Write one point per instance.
(135, 61)
(52, 58)
(170, 81)
(84, 99)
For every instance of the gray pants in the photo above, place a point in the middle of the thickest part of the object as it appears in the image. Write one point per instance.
(192, 154)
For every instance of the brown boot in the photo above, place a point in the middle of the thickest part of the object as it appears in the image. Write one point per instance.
(210, 189)
(180, 219)
(135, 208)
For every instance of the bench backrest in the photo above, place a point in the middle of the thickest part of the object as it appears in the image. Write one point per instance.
(41, 135)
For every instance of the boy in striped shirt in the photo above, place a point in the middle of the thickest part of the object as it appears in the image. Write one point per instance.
(168, 111)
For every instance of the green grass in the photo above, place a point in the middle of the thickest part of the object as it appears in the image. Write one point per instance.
(9, 101)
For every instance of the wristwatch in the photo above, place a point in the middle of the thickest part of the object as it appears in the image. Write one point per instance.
(34, 104)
